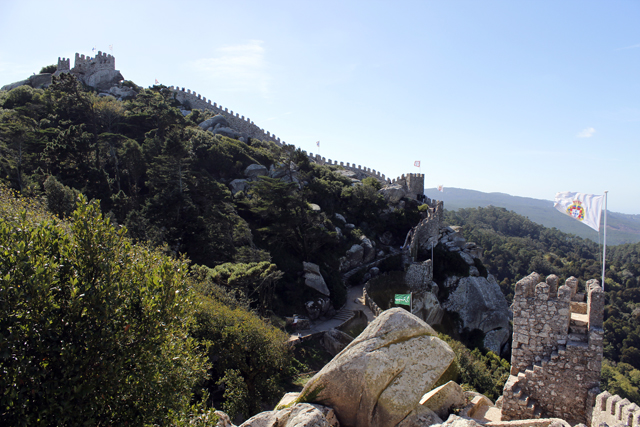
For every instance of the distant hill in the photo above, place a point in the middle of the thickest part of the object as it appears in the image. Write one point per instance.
(621, 228)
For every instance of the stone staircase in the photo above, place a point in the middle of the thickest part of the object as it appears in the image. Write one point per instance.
(526, 406)
(344, 314)
(578, 329)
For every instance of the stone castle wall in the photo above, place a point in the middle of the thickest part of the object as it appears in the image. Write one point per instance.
(100, 62)
(556, 352)
(64, 65)
(427, 233)
(614, 411)
(413, 181)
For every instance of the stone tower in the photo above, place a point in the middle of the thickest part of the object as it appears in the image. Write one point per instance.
(556, 352)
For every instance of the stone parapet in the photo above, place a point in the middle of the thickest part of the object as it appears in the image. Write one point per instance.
(556, 352)
(614, 411)
(370, 302)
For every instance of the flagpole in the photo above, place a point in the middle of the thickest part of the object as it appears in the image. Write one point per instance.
(604, 246)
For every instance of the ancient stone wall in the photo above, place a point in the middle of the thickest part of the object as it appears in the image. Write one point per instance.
(556, 353)
(413, 181)
(426, 234)
(64, 65)
(370, 302)
(614, 411)
(100, 62)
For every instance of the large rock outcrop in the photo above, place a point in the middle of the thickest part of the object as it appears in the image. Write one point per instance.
(300, 415)
(378, 379)
(481, 305)
(314, 279)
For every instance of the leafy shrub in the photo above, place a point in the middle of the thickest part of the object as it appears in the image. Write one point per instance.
(93, 326)
(49, 69)
(249, 356)
(485, 373)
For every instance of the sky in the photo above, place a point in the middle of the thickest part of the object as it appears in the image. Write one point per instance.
(527, 98)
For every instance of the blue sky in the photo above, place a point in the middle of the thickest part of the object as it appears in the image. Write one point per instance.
(522, 97)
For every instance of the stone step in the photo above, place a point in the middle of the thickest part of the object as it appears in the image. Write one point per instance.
(574, 329)
(517, 392)
(578, 338)
(537, 413)
(581, 344)
(523, 400)
(579, 319)
(344, 314)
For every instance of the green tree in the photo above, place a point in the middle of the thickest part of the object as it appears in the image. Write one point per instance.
(250, 357)
(94, 328)
(49, 69)
(254, 281)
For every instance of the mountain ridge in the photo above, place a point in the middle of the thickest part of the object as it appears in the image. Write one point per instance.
(621, 228)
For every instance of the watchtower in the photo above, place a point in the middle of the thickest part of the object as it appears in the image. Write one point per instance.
(556, 352)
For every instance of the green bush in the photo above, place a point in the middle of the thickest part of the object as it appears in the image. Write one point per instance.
(485, 373)
(93, 327)
(250, 357)
(49, 69)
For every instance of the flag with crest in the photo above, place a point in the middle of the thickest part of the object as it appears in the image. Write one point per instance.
(586, 208)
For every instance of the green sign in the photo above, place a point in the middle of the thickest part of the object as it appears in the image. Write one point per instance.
(403, 299)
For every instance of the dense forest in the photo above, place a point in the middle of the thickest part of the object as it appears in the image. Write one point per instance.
(125, 254)
(514, 246)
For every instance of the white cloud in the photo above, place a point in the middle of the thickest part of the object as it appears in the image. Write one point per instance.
(629, 47)
(587, 133)
(238, 68)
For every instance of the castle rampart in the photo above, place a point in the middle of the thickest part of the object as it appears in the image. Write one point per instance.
(100, 62)
(64, 65)
(614, 411)
(556, 353)
(414, 182)
(426, 234)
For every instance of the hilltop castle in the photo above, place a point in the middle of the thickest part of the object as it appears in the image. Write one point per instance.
(98, 72)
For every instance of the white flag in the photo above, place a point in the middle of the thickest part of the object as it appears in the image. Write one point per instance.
(441, 188)
(586, 208)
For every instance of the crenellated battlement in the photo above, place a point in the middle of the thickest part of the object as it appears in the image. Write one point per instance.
(557, 349)
(64, 65)
(413, 181)
(614, 411)
(101, 61)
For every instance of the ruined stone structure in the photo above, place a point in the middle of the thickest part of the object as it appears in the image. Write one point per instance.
(557, 350)
(98, 72)
(614, 411)
(427, 233)
(86, 64)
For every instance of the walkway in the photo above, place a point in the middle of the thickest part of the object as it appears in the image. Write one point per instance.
(354, 302)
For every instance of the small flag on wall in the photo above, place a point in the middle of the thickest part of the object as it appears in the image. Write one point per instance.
(111, 47)
(157, 82)
(403, 299)
(93, 50)
(318, 143)
(416, 163)
(585, 208)
(441, 188)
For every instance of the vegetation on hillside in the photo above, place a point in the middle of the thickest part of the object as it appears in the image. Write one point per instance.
(156, 211)
(159, 174)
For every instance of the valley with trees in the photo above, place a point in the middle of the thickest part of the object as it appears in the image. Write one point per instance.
(125, 255)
